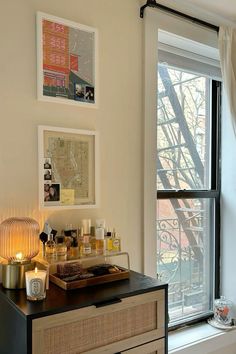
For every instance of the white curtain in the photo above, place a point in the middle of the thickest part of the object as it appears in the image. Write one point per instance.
(227, 48)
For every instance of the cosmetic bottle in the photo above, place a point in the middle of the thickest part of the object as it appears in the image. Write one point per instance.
(74, 248)
(86, 247)
(50, 247)
(116, 244)
(61, 249)
(70, 233)
(80, 239)
(109, 241)
(100, 223)
(86, 224)
(99, 240)
(93, 239)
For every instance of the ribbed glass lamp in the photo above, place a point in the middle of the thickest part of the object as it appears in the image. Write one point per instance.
(19, 243)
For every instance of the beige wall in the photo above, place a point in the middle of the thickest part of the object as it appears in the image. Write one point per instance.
(118, 118)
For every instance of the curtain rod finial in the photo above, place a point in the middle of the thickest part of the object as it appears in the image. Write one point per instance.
(151, 3)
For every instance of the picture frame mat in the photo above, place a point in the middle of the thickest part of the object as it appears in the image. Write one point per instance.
(57, 131)
(40, 16)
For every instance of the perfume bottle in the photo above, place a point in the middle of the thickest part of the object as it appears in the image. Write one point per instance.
(74, 248)
(80, 239)
(116, 244)
(61, 249)
(100, 240)
(86, 247)
(109, 241)
(50, 246)
(86, 224)
(93, 239)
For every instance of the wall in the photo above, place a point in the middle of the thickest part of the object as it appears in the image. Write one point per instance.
(118, 118)
(228, 209)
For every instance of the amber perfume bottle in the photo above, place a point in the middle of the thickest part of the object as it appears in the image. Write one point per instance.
(74, 249)
(109, 241)
(50, 246)
(61, 248)
(99, 240)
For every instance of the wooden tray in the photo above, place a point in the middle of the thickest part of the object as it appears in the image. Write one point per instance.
(124, 274)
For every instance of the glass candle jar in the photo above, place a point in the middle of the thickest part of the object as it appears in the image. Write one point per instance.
(222, 310)
(36, 284)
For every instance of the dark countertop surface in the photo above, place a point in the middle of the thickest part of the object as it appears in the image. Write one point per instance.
(59, 300)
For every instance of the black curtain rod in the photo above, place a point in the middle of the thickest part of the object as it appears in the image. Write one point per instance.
(153, 3)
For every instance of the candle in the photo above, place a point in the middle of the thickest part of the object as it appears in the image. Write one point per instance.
(19, 257)
(36, 284)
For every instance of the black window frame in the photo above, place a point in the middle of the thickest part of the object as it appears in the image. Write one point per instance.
(213, 193)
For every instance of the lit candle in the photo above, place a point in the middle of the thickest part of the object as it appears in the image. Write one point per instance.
(36, 284)
(19, 257)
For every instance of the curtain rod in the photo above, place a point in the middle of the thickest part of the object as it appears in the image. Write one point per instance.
(153, 3)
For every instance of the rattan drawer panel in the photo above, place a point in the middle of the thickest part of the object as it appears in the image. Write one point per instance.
(95, 332)
(91, 328)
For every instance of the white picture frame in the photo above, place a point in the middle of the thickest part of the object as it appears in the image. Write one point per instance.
(67, 61)
(70, 158)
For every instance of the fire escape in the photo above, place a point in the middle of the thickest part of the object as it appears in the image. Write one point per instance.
(186, 165)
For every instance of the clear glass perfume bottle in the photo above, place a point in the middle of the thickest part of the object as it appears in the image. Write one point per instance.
(50, 246)
(93, 239)
(86, 247)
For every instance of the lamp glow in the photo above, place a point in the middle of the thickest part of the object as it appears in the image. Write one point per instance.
(19, 243)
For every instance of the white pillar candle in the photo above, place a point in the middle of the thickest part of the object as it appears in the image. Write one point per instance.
(36, 284)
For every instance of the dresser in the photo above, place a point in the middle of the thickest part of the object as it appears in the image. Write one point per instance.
(127, 316)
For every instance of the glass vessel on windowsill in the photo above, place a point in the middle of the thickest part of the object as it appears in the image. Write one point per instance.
(222, 310)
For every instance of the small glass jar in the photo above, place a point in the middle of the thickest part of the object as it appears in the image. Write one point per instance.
(222, 310)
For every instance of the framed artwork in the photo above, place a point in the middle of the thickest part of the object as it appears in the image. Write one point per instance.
(68, 168)
(66, 61)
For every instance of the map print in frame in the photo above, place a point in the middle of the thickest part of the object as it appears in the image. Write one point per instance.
(73, 167)
(66, 60)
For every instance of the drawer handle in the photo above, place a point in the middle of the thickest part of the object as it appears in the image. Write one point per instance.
(115, 300)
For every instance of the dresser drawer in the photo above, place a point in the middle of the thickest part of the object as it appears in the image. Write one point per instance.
(155, 347)
(108, 329)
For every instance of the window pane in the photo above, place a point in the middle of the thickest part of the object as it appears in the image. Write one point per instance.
(183, 130)
(185, 254)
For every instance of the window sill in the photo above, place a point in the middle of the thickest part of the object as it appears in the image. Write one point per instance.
(201, 338)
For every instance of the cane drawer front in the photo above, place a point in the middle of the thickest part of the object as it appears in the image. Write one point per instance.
(155, 347)
(83, 330)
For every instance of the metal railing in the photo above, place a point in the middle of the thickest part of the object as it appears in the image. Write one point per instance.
(177, 265)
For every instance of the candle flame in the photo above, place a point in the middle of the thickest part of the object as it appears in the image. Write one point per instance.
(36, 270)
(19, 256)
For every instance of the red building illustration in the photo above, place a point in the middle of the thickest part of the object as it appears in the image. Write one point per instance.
(56, 60)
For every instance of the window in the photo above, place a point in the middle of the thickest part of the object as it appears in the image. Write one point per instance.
(188, 183)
